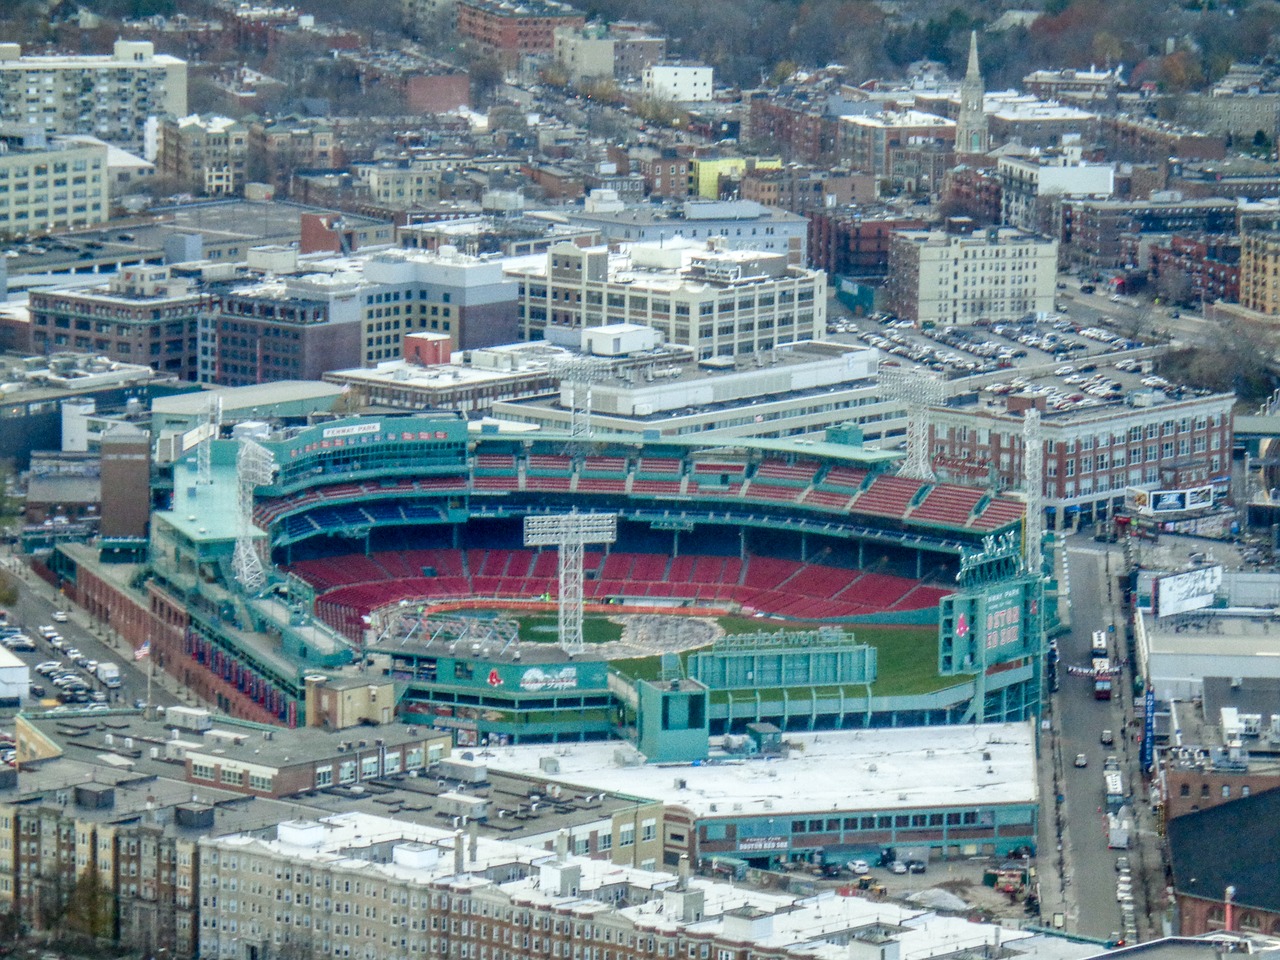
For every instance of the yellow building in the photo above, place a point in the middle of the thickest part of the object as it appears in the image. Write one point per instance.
(705, 173)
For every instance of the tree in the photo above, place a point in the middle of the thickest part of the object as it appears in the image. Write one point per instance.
(1174, 285)
(554, 74)
(782, 72)
(486, 75)
(659, 112)
(1234, 360)
(89, 907)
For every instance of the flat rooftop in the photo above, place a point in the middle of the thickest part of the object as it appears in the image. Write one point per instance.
(694, 211)
(120, 735)
(818, 926)
(1215, 633)
(217, 222)
(846, 770)
(138, 796)
(244, 399)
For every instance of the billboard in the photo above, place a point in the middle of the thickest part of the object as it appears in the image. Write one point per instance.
(1003, 620)
(1156, 502)
(989, 625)
(1180, 592)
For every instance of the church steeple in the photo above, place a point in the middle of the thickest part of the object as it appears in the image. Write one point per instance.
(971, 126)
(975, 69)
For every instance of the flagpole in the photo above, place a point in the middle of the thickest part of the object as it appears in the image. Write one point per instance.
(150, 672)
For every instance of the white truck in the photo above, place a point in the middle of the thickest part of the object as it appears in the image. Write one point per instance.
(109, 674)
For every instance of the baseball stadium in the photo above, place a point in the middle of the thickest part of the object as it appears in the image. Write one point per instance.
(796, 582)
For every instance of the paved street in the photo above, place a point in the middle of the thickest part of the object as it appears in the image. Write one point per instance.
(1077, 721)
(36, 602)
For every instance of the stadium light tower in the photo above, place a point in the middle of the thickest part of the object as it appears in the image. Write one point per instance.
(919, 392)
(570, 532)
(255, 466)
(578, 374)
(210, 430)
(1033, 483)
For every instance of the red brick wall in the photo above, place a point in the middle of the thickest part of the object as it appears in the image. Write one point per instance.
(438, 94)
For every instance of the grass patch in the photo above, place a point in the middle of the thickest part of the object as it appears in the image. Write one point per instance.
(906, 657)
(546, 629)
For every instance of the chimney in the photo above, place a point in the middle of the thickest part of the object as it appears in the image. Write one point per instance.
(459, 867)
(473, 840)
(562, 846)
(683, 872)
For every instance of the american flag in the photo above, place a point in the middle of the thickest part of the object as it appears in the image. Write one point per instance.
(143, 651)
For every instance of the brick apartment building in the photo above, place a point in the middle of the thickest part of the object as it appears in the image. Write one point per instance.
(849, 243)
(142, 315)
(1197, 268)
(513, 30)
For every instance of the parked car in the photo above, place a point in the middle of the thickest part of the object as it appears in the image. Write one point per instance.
(916, 866)
(1082, 760)
(897, 867)
(59, 616)
(858, 867)
(38, 691)
(1108, 738)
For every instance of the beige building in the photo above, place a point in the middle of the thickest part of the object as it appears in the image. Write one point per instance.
(344, 702)
(48, 189)
(961, 276)
(1260, 271)
(716, 301)
(110, 97)
(206, 155)
(585, 52)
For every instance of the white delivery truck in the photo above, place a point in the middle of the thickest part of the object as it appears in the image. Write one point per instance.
(109, 674)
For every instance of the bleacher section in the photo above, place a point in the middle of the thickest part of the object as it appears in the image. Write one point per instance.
(351, 586)
(773, 483)
(948, 504)
(779, 471)
(888, 496)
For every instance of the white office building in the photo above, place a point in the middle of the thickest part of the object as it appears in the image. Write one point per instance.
(110, 97)
(958, 277)
(677, 82)
(713, 300)
(1029, 185)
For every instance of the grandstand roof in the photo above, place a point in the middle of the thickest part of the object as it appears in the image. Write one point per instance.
(206, 513)
(880, 769)
(242, 399)
(801, 446)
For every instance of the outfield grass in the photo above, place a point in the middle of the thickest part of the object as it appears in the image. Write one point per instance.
(906, 657)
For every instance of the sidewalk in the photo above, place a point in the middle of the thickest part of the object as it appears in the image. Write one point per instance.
(1053, 861)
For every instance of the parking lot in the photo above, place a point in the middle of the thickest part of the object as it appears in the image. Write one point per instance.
(961, 351)
(965, 880)
(61, 672)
